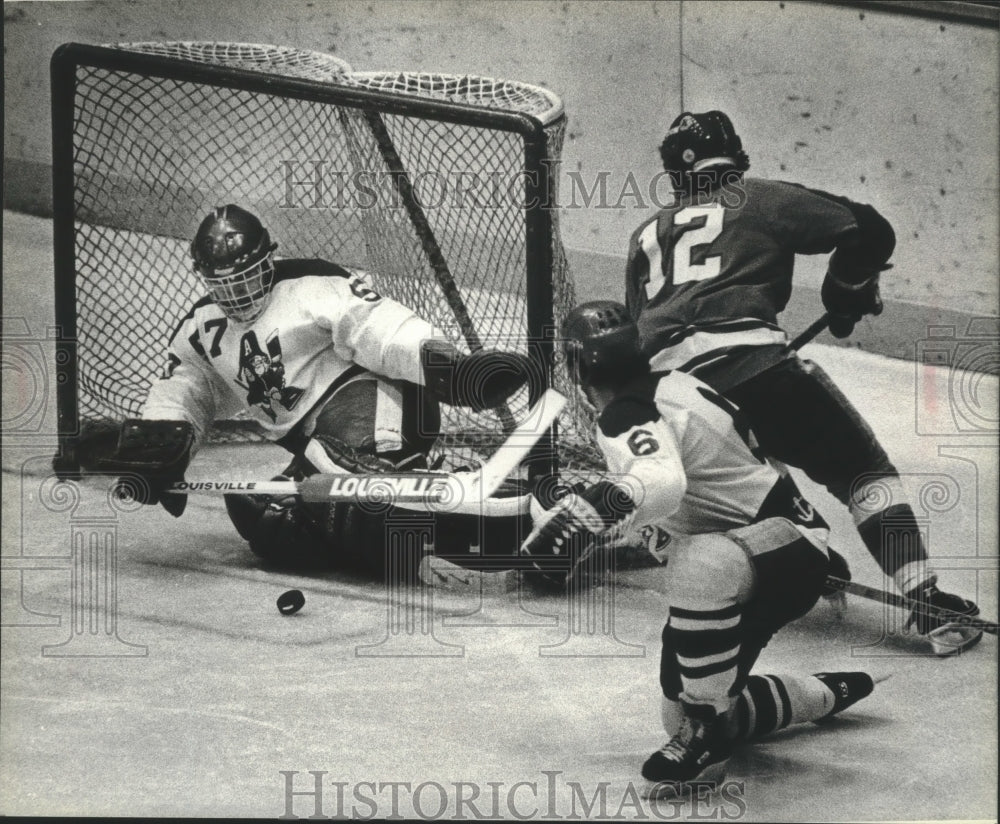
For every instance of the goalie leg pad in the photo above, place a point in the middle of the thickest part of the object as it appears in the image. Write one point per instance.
(346, 433)
(489, 541)
(289, 534)
(280, 531)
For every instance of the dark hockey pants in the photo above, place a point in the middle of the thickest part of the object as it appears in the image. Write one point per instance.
(802, 419)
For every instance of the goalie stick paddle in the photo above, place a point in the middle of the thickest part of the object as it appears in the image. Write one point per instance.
(873, 594)
(457, 492)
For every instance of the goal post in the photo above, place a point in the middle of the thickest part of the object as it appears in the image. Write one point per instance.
(149, 137)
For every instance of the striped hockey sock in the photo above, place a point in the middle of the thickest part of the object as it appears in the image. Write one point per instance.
(706, 647)
(771, 702)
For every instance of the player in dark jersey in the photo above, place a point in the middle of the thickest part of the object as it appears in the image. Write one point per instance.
(706, 279)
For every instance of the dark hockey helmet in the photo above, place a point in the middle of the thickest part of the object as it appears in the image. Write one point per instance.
(701, 142)
(601, 342)
(233, 257)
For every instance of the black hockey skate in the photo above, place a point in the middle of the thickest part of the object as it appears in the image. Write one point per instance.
(945, 637)
(847, 687)
(698, 752)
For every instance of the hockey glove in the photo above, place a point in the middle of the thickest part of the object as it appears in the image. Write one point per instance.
(481, 380)
(848, 302)
(151, 456)
(564, 536)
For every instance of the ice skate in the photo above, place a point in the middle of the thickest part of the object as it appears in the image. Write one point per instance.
(698, 752)
(946, 638)
(847, 687)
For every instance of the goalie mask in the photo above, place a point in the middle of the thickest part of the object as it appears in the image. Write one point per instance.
(233, 258)
(601, 343)
(704, 142)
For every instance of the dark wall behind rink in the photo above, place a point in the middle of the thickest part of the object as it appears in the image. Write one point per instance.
(893, 110)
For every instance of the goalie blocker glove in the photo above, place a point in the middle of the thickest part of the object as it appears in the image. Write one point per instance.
(481, 380)
(151, 456)
(564, 536)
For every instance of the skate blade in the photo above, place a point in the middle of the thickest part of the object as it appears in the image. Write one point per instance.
(952, 639)
(714, 774)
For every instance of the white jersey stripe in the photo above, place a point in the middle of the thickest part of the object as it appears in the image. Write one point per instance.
(700, 624)
(650, 245)
(707, 660)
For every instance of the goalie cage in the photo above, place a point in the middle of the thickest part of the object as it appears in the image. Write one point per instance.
(149, 137)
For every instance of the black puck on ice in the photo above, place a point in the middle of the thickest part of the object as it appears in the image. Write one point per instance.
(291, 602)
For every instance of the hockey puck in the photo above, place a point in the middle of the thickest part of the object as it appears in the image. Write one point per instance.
(291, 602)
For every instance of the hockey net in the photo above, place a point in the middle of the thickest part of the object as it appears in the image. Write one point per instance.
(157, 134)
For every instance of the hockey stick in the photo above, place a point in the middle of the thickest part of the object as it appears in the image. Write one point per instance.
(821, 323)
(457, 492)
(811, 331)
(873, 594)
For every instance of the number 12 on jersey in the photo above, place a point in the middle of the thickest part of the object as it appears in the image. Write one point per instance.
(684, 270)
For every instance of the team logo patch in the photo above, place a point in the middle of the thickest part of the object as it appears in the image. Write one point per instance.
(262, 374)
(657, 540)
(688, 123)
(803, 509)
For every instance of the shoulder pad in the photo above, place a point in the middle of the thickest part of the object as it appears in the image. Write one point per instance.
(307, 267)
(205, 301)
(632, 407)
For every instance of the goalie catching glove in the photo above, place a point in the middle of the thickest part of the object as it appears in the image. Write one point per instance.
(481, 380)
(151, 456)
(564, 536)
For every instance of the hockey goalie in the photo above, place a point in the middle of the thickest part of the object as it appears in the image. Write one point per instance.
(344, 379)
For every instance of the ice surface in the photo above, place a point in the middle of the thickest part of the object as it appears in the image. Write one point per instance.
(208, 693)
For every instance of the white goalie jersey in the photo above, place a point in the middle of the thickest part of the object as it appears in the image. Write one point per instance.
(322, 327)
(689, 459)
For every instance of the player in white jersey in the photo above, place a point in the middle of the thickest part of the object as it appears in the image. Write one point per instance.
(343, 378)
(744, 553)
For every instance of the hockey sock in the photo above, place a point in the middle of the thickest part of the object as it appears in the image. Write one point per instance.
(894, 540)
(772, 702)
(706, 648)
